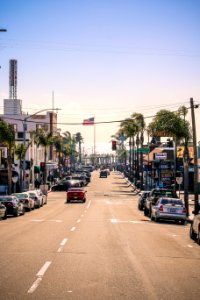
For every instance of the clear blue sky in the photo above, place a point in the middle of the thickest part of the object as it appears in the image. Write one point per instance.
(105, 58)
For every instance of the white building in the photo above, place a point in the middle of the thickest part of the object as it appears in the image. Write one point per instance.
(24, 124)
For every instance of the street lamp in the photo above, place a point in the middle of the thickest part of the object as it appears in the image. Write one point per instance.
(24, 136)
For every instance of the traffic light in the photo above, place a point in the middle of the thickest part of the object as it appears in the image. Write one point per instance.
(149, 165)
(42, 167)
(114, 145)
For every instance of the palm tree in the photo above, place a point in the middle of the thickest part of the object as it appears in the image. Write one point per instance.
(20, 152)
(44, 139)
(130, 128)
(79, 140)
(139, 121)
(171, 124)
(58, 143)
(7, 138)
(70, 143)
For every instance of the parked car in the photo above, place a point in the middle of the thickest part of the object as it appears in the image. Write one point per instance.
(76, 193)
(103, 174)
(36, 197)
(3, 211)
(169, 209)
(195, 228)
(28, 202)
(141, 199)
(153, 197)
(14, 206)
(43, 196)
(65, 185)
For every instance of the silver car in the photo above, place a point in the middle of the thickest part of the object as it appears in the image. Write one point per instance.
(169, 209)
(37, 198)
(28, 202)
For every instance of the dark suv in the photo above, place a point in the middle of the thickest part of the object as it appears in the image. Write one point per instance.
(153, 197)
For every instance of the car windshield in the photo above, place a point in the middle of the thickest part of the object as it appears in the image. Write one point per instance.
(21, 196)
(165, 193)
(5, 199)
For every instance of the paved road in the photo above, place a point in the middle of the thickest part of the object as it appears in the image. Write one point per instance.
(102, 249)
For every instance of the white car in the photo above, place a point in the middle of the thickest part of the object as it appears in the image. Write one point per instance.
(37, 198)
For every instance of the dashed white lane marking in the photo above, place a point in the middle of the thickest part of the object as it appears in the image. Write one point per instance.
(62, 244)
(82, 215)
(40, 275)
(37, 220)
(190, 246)
(73, 228)
(89, 204)
(78, 221)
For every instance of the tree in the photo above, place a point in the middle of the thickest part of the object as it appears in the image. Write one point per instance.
(7, 138)
(20, 152)
(167, 123)
(79, 140)
(130, 128)
(70, 148)
(139, 120)
(44, 139)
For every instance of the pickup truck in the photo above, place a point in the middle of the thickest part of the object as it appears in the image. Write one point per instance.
(153, 197)
(76, 194)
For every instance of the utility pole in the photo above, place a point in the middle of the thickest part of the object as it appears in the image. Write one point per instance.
(196, 200)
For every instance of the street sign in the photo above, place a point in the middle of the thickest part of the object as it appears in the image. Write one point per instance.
(179, 180)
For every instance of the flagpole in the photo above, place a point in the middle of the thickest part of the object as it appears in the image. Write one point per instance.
(94, 143)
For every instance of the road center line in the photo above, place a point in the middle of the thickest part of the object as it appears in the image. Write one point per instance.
(73, 228)
(78, 221)
(89, 204)
(64, 241)
(40, 274)
(43, 269)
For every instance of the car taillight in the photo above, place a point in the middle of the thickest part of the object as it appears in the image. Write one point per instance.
(10, 204)
(81, 194)
(161, 208)
(184, 210)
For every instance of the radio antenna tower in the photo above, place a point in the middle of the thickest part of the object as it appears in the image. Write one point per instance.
(13, 79)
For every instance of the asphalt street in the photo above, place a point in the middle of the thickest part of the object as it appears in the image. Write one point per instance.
(102, 249)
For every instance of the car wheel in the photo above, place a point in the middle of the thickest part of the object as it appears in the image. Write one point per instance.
(146, 212)
(5, 216)
(156, 219)
(192, 233)
(16, 214)
(23, 211)
(152, 217)
(182, 222)
(198, 237)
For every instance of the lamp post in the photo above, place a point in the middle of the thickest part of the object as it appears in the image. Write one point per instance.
(24, 137)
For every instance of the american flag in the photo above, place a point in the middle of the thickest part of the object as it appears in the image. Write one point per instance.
(89, 121)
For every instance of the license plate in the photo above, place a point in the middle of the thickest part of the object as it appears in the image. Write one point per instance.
(172, 210)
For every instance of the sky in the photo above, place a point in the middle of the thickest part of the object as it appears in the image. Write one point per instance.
(103, 58)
